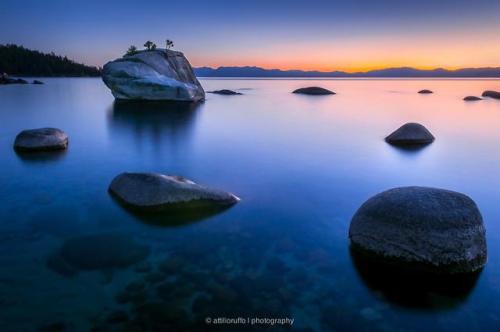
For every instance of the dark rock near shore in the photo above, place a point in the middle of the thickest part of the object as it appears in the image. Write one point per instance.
(425, 91)
(410, 134)
(153, 191)
(472, 98)
(491, 94)
(425, 229)
(314, 90)
(37, 82)
(42, 139)
(5, 79)
(225, 92)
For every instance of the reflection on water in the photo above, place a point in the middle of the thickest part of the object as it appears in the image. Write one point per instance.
(154, 122)
(42, 156)
(412, 289)
(178, 216)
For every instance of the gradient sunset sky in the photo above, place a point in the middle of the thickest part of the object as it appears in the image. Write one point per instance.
(321, 35)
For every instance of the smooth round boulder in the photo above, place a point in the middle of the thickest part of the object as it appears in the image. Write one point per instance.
(153, 192)
(314, 90)
(425, 91)
(225, 92)
(426, 229)
(491, 94)
(472, 98)
(43, 139)
(410, 134)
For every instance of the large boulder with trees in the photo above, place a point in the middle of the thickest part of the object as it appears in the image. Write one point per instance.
(152, 74)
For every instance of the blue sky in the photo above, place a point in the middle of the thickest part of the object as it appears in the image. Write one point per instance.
(283, 34)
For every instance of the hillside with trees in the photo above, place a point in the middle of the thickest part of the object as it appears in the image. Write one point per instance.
(19, 61)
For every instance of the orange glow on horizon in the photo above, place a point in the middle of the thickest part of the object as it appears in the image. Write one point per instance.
(465, 50)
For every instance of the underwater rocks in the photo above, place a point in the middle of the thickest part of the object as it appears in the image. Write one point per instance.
(43, 139)
(153, 192)
(472, 98)
(314, 90)
(97, 252)
(432, 230)
(153, 75)
(225, 92)
(410, 134)
(491, 94)
(425, 91)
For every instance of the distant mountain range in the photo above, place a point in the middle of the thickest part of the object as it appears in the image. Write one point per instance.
(389, 72)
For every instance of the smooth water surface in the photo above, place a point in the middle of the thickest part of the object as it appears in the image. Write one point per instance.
(302, 165)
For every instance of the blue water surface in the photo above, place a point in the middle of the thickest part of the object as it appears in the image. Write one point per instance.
(72, 258)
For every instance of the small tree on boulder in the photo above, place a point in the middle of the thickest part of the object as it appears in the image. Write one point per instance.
(169, 44)
(131, 50)
(149, 45)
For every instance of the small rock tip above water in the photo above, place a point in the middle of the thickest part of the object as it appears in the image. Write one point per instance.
(425, 91)
(314, 90)
(491, 94)
(410, 134)
(41, 139)
(472, 98)
(154, 192)
(225, 92)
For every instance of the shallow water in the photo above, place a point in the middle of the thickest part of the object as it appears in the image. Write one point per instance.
(302, 165)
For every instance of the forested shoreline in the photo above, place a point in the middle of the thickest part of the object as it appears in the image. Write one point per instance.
(17, 60)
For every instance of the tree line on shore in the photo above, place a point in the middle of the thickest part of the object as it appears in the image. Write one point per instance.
(17, 60)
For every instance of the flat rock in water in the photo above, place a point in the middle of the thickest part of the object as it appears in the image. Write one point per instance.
(102, 251)
(410, 134)
(37, 82)
(43, 139)
(491, 94)
(153, 75)
(425, 91)
(225, 92)
(428, 229)
(153, 191)
(314, 90)
(472, 98)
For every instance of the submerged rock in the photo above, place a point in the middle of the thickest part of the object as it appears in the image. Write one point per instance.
(314, 90)
(425, 91)
(225, 92)
(491, 94)
(43, 139)
(153, 191)
(472, 98)
(98, 252)
(410, 134)
(428, 229)
(153, 75)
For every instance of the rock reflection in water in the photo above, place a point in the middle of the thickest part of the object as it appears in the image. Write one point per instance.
(153, 122)
(409, 288)
(176, 216)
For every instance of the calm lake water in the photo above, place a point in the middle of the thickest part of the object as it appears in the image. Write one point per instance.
(302, 165)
